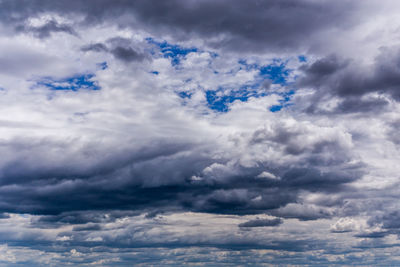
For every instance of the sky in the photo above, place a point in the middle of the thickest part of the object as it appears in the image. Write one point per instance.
(199, 133)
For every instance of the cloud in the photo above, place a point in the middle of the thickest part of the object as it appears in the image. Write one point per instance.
(126, 54)
(262, 223)
(45, 30)
(96, 47)
(360, 87)
(121, 48)
(256, 25)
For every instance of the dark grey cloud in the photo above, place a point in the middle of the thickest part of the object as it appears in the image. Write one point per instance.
(88, 227)
(350, 81)
(126, 54)
(293, 142)
(4, 216)
(97, 194)
(378, 234)
(303, 212)
(255, 25)
(262, 223)
(154, 177)
(355, 104)
(82, 219)
(45, 30)
(121, 48)
(96, 47)
(392, 131)
(389, 220)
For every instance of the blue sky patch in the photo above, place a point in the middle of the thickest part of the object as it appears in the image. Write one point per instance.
(248, 66)
(276, 72)
(73, 83)
(284, 102)
(102, 65)
(302, 58)
(275, 108)
(184, 94)
(220, 103)
(172, 51)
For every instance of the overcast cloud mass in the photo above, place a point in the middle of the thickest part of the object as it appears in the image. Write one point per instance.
(199, 132)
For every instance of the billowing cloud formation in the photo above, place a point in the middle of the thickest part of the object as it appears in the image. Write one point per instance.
(198, 132)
